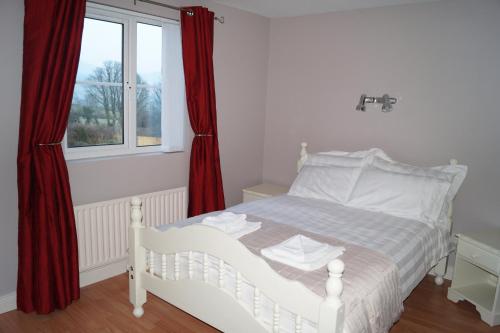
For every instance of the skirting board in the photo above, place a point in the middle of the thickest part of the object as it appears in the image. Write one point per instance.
(8, 302)
(103, 273)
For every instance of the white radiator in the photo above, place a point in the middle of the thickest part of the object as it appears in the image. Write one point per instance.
(102, 228)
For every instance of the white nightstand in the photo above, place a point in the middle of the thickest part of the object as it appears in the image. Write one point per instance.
(477, 270)
(263, 191)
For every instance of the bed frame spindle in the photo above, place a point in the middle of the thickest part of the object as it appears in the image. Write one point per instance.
(298, 324)
(238, 286)
(152, 263)
(205, 267)
(190, 265)
(176, 266)
(276, 318)
(163, 266)
(256, 302)
(221, 273)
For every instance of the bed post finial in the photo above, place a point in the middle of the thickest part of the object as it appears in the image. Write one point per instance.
(303, 156)
(334, 286)
(332, 308)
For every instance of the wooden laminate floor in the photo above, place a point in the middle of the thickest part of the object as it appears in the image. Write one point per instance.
(104, 307)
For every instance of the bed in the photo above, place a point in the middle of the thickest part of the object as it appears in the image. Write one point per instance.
(227, 283)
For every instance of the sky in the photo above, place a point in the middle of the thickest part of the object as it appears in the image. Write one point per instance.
(102, 41)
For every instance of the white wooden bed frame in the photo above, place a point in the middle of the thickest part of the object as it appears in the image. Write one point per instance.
(212, 303)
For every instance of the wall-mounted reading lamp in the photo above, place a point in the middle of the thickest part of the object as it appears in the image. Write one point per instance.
(385, 100)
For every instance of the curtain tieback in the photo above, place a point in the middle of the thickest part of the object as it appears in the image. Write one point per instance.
(49, 144)
(203, 135)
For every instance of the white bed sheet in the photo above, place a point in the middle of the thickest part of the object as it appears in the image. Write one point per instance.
(413, 246)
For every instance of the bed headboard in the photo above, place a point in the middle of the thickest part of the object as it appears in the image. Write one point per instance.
(303, 158)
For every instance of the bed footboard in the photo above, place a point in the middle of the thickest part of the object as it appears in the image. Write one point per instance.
(209, 300)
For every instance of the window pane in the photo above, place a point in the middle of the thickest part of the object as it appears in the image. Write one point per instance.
(149, 84)
(96, 116)
(149, 46)
(102, 50)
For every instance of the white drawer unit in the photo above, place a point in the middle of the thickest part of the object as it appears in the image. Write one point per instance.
(477, 270)
(263, 191)
(482, 258)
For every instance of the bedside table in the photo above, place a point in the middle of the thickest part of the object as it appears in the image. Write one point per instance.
(263, 191)
(477, 270)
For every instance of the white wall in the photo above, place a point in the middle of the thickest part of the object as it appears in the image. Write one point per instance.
(442, 59)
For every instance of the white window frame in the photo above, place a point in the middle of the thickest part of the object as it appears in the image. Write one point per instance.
(129, 20)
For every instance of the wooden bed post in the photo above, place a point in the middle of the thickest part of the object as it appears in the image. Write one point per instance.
(137, 255)
(331, 312)
(303, 156)
(440, 268)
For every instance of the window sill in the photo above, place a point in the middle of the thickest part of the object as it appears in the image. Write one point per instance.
(118, 153)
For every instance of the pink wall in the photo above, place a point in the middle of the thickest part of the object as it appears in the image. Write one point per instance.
(442, 59)
(240, 64)
(240, 61)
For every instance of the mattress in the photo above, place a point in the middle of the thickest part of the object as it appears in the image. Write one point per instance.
(412, 246)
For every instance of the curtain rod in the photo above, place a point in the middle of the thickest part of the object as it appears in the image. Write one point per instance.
(218, 19)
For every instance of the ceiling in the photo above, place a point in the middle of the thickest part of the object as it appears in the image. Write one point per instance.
(288, 8)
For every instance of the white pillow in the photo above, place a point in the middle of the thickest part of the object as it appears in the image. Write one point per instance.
(336, 158)
(331, 183)
(405, 195)
(454, 174)
(362, 153)
(327, 160)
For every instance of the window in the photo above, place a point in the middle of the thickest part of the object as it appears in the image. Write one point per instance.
(129, 93)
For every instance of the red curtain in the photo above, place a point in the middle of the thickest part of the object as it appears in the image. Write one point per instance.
(47, 244)
(205, 180)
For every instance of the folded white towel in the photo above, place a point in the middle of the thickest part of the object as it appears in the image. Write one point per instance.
(235, 225)
(303, 253)
(301, 248)
(247, 229)
(226, 221)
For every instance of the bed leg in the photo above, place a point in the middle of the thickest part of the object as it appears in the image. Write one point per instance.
(137, 259)
(440, 271)
(138, 312)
